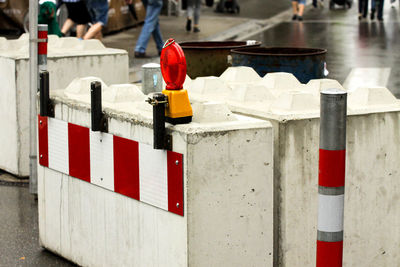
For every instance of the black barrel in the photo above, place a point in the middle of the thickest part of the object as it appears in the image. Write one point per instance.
(210, 58)
(304, 63)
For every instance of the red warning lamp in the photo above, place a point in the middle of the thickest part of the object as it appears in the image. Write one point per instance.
(173, 65)
(173, 69)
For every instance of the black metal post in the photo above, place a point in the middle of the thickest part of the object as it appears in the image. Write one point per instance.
(159, 120)
(44, 93)
(97, 113)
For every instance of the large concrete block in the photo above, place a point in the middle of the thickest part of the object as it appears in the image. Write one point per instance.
(68, 58)
(227, 214)
(372, 215)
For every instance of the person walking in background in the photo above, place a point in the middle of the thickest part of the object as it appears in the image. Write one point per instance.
(151, 27)
(47, 15)
(77, 13)
(98, 11)
(193, 14)
(317, 3)
(373, 9)
(298, 9)
(379, 9)
(362, 9)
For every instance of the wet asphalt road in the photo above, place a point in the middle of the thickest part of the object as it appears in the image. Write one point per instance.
(254, 9)
(350, 43)
(19, 242)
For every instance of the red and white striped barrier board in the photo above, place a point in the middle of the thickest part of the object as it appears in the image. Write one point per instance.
(118, 164)
(332, 161)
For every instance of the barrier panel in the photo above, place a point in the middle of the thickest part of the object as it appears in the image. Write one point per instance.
(371, 213)
(67, 59)
(107, 198)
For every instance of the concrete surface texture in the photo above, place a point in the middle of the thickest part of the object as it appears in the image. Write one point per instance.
(371, 175)
(228, 198)
(68, 58)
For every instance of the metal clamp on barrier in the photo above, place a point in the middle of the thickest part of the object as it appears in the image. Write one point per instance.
(99, 120)
(46, 107)
(159, 102)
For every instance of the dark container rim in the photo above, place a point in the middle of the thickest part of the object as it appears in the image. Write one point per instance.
(208, 45)
(284, 51)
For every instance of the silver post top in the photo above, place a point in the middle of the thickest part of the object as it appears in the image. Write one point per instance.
(43, 27)
(333, 91)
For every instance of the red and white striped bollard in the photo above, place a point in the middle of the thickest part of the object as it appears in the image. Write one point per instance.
(42, 46)
(332, 160)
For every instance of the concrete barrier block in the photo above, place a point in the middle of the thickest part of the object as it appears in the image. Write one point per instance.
(240, 74)
(296, 102)
(318, 85)
(81, 86)
(227, 198)
(56, 45)
(372, 180)
(211, 112)
(209, 85)
(280, 81)
(186, 85)
(251, 93)
(3, 42)
(364, 98)
(92, 44)
(122, 93)
(65, 62)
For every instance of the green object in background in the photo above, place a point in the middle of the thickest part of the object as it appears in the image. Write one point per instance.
(47, 15)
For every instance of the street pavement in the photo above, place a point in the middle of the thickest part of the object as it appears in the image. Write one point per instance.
(19, 242)
(350, 44)
(211, 24)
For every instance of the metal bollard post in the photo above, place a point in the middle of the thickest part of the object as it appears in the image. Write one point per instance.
(96, 107)
(44, 93)
(332, 160)
(42, 46)
(151, 78)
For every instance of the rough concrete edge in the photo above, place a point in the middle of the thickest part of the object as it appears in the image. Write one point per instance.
(12, 180)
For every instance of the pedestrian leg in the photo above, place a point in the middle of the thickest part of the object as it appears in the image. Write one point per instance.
(380, 9)
(150, 23)
(373, 9)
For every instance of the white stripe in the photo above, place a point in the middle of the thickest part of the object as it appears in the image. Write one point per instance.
(153, 176)
(102, 160)
(330, 213)
(58, 145)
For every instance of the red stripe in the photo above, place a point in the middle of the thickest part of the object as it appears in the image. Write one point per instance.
(126, 167)
(42, 46)
(43, 141)
(329, 254)
(332, 165)
(175, 182)
(79, 152)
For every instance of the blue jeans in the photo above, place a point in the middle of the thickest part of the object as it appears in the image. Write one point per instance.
(151, 26)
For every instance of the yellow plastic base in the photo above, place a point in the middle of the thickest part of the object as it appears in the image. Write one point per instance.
(178, 104)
